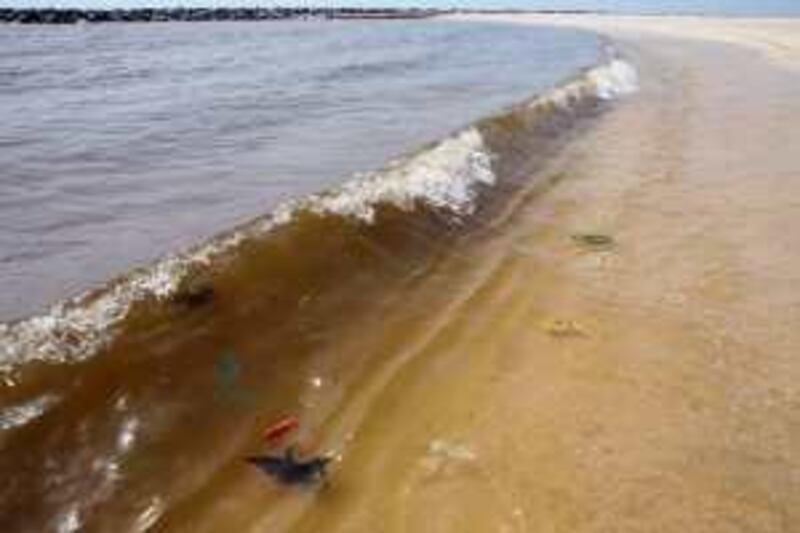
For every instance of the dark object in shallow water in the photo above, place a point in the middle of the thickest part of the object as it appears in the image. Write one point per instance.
(194, 297)
(287, 470)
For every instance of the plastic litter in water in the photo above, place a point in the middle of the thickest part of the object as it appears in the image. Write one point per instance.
(442, 456)
(451, 450)
(227, 380)
(288, 469)
(279, 429)
(228, 370)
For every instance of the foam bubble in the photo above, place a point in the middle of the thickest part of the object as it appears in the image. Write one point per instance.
(615, 79)
(19, 415)
(150, 515)
(608, 81)
(445, 176)
(69, 522)
(109, 469)
(127, 435)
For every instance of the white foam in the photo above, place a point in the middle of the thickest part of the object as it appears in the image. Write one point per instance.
(109, 468)
(121, 403)
(127, 435)
(69, 522)
(615, 79)
(446, 176)
(608, 81)
(148, 518)
(19, 415)
(71, 331)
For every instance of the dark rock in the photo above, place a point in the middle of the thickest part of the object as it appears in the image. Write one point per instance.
(73, 16)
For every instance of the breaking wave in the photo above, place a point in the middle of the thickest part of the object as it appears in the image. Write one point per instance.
(449, 176)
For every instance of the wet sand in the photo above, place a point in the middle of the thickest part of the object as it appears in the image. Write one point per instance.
(534, 382)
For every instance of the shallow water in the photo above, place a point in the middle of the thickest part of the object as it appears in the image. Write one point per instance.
(121, 143)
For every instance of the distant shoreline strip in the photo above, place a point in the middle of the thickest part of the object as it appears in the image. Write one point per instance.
(62, 16)
(80, 16)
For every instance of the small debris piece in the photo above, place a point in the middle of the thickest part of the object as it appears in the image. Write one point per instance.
(278, 430)
(228, 370)
(593, 240)
(563, 328)
(227, 380)
(451, 450)
(289, 470)
(445, 457)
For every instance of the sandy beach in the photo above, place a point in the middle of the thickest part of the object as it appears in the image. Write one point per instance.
(648, 385)
(776, 37)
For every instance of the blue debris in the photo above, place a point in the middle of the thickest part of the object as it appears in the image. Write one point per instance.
(288, 470)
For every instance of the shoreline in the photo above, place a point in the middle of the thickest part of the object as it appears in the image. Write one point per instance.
(578, 17)
(71, 16)
(776, 37)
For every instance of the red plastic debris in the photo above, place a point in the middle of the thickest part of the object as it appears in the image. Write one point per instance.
(275, 432)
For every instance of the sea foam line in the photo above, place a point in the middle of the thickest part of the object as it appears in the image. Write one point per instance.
(610, 81)
(19, 415)
(444, 176)
(447, 176)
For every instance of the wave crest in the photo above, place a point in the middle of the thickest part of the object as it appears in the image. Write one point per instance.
(448, 176)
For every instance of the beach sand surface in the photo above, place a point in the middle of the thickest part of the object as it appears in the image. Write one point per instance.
(778, 38)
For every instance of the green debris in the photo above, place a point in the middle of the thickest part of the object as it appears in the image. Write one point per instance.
(228, 383)
(593, 240)
(228, 370)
